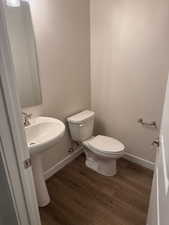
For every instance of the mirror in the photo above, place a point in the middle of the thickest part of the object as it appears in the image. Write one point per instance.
(23, 47)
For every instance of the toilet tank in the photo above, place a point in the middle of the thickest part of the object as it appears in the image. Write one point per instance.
(81, 125)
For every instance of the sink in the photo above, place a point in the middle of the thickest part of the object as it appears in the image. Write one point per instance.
(41, 135)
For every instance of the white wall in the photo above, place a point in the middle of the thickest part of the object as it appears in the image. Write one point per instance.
(129, 67)
(63, 45)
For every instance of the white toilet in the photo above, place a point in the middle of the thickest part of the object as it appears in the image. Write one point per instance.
(101, 151)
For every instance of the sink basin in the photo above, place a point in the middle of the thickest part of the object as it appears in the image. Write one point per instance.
(43, 133)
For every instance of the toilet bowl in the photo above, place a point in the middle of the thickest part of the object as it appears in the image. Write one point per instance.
(101, 151)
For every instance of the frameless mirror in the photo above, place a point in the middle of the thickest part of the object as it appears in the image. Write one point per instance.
(23, 47)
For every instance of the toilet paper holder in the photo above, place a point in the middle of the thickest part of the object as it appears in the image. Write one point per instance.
(152, 124)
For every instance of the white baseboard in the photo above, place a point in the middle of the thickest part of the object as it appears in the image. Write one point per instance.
(58, 166)
(142, 162)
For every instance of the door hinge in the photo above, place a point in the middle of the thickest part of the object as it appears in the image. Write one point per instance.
(156, 143)
(27, 163)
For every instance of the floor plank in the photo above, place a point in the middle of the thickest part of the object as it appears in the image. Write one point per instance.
(79, 196)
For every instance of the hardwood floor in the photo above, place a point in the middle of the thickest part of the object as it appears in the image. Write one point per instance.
(79, 196)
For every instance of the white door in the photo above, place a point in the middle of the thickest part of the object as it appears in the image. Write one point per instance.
(159, 202)
(7, 215)
(13, 147)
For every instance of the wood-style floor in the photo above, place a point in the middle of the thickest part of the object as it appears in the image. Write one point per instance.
(79, 196)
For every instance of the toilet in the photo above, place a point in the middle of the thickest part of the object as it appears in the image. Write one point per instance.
(101, 151)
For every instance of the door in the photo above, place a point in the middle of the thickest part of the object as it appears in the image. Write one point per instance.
(13, 147)
(7, 215)
(159, 202)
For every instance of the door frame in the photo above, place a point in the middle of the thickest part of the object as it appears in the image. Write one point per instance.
(13, 147)
(159, 200)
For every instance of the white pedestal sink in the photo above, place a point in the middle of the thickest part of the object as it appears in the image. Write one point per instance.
(42, 134)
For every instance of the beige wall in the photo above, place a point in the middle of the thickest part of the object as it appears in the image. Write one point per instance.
(63, 45)
(129, 66)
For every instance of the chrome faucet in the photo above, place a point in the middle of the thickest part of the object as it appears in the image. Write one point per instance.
(26, 119)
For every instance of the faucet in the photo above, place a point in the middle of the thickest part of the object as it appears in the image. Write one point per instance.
(26, 119)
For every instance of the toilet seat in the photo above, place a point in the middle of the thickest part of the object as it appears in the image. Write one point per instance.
(105, 145)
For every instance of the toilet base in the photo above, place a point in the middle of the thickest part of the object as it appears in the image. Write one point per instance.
(101, 165)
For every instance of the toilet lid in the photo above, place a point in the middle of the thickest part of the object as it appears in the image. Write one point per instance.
(105, 144)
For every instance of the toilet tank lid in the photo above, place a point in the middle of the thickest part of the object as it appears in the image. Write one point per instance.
(81, 117)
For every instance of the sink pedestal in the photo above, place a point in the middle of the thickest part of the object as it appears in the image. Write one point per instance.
(40, 185)
(42, 134)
